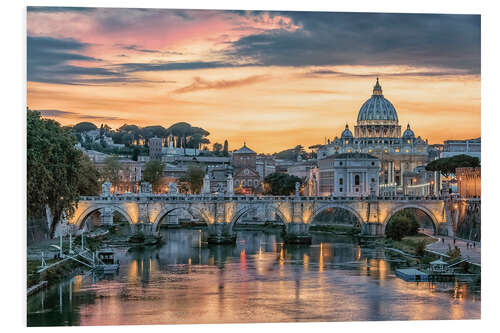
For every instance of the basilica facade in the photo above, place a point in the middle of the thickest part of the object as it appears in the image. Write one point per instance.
(378, 133)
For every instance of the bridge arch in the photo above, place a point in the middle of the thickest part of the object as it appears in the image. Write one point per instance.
(339, 206)
(427, 212)
(242, 211)
(167, 210)
(92, 209)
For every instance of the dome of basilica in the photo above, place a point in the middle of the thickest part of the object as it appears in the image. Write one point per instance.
(408, 134)
(377, 107)
(346, 134)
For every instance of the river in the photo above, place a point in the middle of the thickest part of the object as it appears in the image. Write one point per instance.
(257, 280)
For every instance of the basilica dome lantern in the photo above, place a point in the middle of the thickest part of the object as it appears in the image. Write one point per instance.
(377, 117)
(408, 134)
(346, 135)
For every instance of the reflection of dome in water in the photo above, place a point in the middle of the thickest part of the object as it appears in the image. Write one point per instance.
(378, 108)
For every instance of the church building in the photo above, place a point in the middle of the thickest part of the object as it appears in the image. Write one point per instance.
(246, 177)
(378, 133)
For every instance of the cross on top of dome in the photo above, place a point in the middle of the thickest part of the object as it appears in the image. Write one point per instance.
(377, 89)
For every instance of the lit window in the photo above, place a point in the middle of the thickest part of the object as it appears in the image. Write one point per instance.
(396, 150)
(348, 150)
(370, 150)
(406, 150)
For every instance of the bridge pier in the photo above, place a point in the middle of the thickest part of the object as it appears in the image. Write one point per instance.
(147, 228)
(372, 229)
(297, 233)
(221, 233)
(107, 216)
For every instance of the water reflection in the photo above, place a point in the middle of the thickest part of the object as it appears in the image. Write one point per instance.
(257, 280)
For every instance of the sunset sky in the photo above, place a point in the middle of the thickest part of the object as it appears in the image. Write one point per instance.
(272, 79)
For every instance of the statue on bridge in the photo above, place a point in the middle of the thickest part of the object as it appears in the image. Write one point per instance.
(297, 189)
(206, 184)
(146, 187)
(172, 188)
(230, 186)
(106, 189)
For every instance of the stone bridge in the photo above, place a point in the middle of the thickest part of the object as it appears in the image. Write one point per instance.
(221, 213)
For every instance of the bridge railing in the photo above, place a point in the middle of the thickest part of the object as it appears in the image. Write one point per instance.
(249, 198)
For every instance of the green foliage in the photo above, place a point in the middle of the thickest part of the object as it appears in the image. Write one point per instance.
(447, 166)
(135, 153)
(149, 132)
(111, 169)
(84, 127)
(279, 183)
(53, 168)
(192, 181)
(225, 150)
(153, 172)
(420, 248)
(454, 253)
(137, 237)
(88, 181)
(397, 228)
(291, 154)
(217, 147)
(410, 224)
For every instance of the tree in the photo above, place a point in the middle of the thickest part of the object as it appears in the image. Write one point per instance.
(217, 147)
(111, 170)
(84, 127)
(420, 248)
(153, 172)
(193, 179)
(225, 151)
(53, 169)
(135, 154)
(448, 165)
(397, 227)
(180, 131)
(279, 183)
(291, 154)
(88, 181)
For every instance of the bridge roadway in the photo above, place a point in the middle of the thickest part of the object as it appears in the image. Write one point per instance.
(146, 211)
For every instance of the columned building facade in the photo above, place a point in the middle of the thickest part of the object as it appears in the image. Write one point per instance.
(378, 133)
(349, 175)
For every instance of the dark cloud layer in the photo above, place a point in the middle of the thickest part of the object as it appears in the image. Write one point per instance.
(68, 114)
(43, 9)
(447, 41)
(48, 60)
(174, 66)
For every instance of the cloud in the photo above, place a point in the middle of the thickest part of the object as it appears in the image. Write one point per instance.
(430, 73)
(370, 39)
(175, 66)
(133, 47)
(48, 60)
(43, 9)
(202, 84)
(68, 114)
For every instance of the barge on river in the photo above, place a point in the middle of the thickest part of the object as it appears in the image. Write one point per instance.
(106, 261)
